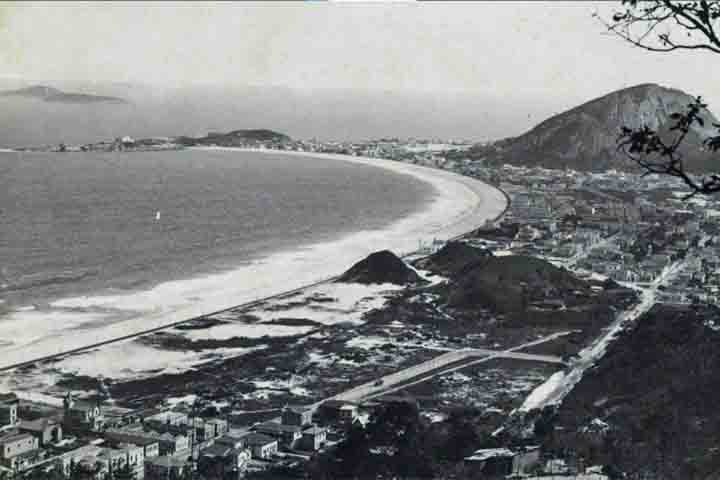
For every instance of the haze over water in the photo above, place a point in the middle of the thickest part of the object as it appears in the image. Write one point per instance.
(83, 223)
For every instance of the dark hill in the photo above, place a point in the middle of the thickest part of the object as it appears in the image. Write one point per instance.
(452, 258)
(511, 283)
(50, 94)
(380, 267)
(585, 137)
(236, 138)
(657, 389)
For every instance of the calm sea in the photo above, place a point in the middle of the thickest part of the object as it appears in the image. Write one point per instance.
(80, 223)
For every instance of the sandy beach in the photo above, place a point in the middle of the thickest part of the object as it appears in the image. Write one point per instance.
(460, 205)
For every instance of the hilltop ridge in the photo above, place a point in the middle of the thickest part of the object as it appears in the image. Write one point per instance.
(51, 94)
(235, 138)
(585, 137)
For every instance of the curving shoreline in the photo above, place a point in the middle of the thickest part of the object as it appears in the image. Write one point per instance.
(422, 172)
(454, 213)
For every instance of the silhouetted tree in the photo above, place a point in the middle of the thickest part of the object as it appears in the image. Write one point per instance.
(666, 26)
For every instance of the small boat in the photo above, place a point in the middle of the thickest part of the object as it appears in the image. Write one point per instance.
(157, 215)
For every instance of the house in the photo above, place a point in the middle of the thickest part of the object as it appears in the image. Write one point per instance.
(219, 459)
(234, 439)
(490, 462)
(556, 466)
(216, 426)
(8, 410)
(526, 459)
(170, 466)
(93, 466)
(98, 462)
(299, 416)
(66, 461)
(332, 411)
(167, 418)
(287, 435)
(120, 458)
(150, 446)
(81, 415)
(132, 456)
(501, 462)
(19, 451)
(261, 446)
(46, 430)
(313, 438)
(209, 429)
(187, 431)
(168, 444)
(172, 444)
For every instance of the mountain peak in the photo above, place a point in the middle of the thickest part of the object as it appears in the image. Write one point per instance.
(585, 137)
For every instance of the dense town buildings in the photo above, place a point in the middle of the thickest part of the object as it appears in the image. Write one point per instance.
(610, 225)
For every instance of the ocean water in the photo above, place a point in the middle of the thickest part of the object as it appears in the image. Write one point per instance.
(87, 224)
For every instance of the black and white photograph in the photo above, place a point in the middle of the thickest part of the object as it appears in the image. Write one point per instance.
(339, 239)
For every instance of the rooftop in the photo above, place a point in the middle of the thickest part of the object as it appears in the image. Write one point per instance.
(488, 453)
(277, 427)
(8, 398)
(167, 461)
(83, 406)
(217, 450)
(232, 437)
(219, 421)
(335, 404)
(315, 430)
(14, 437)
(84, 451)
(296, 409)
(258, 439)
(37, 425)
(134, 438)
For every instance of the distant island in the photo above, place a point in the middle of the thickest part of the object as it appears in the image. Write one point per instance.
(50, 94)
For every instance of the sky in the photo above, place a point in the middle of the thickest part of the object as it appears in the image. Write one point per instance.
(551, 52)
(503, 47)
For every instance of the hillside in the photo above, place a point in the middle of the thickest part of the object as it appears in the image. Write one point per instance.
(380, 267)
(511, 283)
(585, 137)
(50, 94)
(235, 138)
(650, 406)
(452, 258)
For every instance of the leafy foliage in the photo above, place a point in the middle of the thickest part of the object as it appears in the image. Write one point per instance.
(647, 148)
(665, 26)
(398, 443)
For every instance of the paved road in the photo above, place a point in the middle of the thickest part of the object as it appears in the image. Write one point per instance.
(555, 389)
(441, 365)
